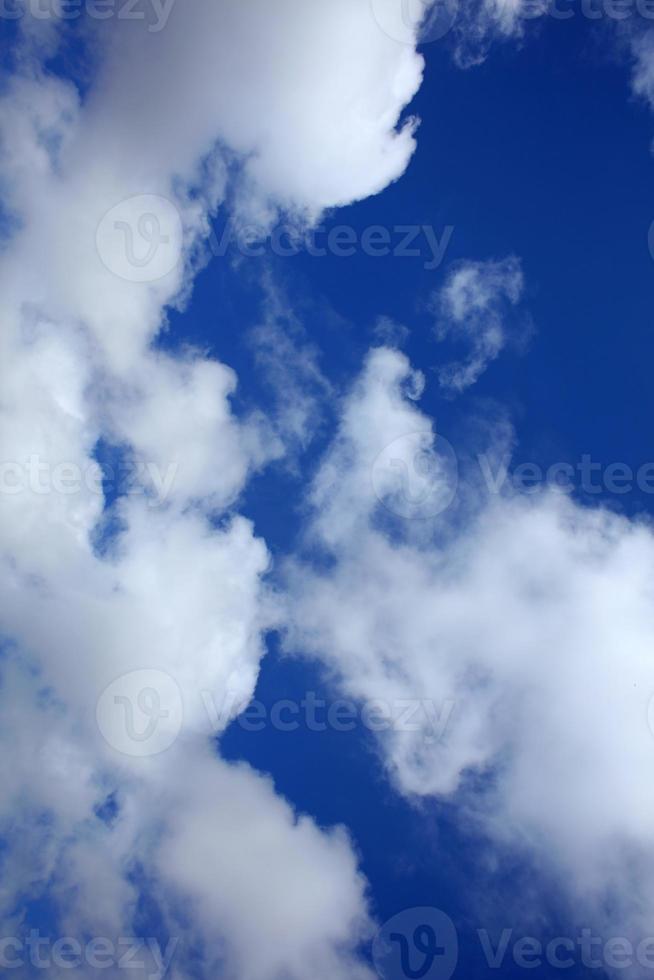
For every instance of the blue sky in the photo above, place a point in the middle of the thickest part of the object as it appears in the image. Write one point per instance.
(252, 537)
(539, 152)
(536, 152)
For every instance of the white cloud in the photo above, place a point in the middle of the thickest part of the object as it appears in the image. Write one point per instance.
(287, 106)
(530, 617)
(317, 917)
(474, 307)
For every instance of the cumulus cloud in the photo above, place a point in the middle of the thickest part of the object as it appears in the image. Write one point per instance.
(474, 307)
(527, 623)
(108, 192)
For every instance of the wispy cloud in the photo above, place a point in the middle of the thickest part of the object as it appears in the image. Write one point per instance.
(473, 308)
